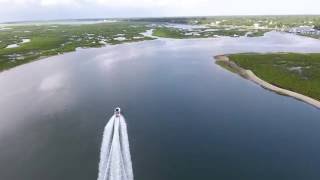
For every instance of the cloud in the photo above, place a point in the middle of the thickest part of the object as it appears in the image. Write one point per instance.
(53, 82)
(47, 3)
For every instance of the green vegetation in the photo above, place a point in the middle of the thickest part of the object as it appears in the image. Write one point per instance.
(267, 21)
(295, 72)
(206, 32)
(50, 39)
(22, 43)
(253, 25)
(179, 20)
(169, 33)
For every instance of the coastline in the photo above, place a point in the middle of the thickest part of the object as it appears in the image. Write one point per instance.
(65, 52)
(224, 61)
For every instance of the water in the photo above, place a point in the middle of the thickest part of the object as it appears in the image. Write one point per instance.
(187, 118)
(115, 159)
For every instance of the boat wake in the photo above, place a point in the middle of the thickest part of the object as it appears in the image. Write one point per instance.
(115, 159)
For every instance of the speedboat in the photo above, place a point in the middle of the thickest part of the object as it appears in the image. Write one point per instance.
(117, 112)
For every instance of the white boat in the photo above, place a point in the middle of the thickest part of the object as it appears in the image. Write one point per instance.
(117, 112)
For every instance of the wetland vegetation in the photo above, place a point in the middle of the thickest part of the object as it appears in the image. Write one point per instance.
(24, 42)
(179, 33)
(51, 39)
(292, 71)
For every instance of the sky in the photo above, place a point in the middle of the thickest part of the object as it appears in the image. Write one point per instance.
(21, 10)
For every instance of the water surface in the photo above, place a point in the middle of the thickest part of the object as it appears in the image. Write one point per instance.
(187, 118)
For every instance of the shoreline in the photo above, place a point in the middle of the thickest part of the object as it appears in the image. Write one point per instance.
(224, 61)
(76, 49)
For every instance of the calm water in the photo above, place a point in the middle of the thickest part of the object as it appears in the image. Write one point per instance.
(187, 117)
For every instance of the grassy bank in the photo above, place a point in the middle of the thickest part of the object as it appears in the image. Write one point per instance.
(169, 33)
(296, 72)
(50, 39)
(206, 32)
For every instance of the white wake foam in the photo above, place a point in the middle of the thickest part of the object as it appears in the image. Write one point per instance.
(115, 159)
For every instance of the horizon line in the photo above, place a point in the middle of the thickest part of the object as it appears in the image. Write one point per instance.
(151, 17)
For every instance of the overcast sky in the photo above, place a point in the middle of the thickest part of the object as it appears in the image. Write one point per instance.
(18, 10)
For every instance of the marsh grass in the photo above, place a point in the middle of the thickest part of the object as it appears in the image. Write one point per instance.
(51, 39)
(296, 72)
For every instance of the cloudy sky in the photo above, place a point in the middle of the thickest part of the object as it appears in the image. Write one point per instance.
(17, 10)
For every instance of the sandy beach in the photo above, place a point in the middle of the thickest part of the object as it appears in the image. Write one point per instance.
(224, 61)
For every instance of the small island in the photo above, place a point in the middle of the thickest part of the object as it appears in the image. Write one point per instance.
(291, 74)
